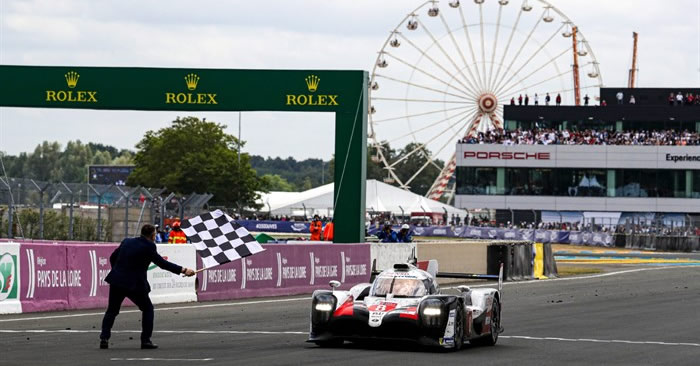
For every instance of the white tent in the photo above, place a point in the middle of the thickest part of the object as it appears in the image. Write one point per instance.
(380, 197)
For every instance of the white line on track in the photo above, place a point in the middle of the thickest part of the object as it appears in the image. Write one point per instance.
(306, 298)
(160, 359)
(586, 277)
(200, 306)
(80, 331)
(603, 341)
(589, 340)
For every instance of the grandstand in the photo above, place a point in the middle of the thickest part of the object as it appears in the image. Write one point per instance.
(534, 182)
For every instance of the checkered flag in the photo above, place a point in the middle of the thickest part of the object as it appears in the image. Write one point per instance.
(218, 239)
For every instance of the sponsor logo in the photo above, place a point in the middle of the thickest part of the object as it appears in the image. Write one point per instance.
(495, 155)
(8, 276)
(418, 230)
(153, 266)
(679, 158)
(191, 81)
(298, 227)
(72, 95)
(458, 230)
(266, 226)
(440, 232)
(312, 83)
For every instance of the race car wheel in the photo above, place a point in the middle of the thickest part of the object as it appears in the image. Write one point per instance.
(492, 337)
(330, 343)
(459, 330)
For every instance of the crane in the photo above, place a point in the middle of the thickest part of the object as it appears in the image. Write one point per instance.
(633, 71)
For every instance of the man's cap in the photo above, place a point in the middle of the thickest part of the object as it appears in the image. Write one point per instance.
(176, 224)
(405, 226)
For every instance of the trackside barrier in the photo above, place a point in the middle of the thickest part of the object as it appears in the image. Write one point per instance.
(385, 255)
(286, 270)
(519, 260)
(662, 242)
(9, 278)
(71, 276)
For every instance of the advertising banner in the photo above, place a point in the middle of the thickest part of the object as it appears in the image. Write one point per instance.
(92, 262)
(9, 278)
(275, 226)
(286, 270)
(167, 287)
(46, 277)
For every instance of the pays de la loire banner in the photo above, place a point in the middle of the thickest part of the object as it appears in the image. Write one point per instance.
(59, 277)
(287, 270)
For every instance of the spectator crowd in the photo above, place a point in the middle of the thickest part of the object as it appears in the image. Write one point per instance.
(548, 136)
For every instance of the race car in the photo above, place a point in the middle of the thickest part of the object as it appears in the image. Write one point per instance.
(405, 303)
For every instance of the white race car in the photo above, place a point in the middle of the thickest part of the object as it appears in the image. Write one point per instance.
(405, 303)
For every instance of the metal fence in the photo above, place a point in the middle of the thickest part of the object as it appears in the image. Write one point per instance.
(81, 211)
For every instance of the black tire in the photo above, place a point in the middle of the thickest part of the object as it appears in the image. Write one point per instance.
(491, 338)
(459, 330)
(331, 343)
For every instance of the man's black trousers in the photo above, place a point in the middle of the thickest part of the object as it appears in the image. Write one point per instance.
(117, 295)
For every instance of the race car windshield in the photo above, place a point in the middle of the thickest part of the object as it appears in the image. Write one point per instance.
(399, 287)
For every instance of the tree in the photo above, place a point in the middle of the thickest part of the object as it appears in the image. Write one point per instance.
(74, 161)
(43, 163)
(196, 156)
(274, 182)
(412, 159)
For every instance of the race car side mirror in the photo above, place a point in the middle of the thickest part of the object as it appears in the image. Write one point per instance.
(463, 288)
(334, 284)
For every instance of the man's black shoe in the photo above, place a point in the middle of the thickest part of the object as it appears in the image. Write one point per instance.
(148, 345)
(104, 344)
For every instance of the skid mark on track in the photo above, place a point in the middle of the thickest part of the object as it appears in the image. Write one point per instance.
(589, 340)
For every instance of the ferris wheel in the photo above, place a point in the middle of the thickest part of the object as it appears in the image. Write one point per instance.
(447, 70)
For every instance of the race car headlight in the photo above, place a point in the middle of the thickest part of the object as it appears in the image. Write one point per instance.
(322, 308)
(431, 313)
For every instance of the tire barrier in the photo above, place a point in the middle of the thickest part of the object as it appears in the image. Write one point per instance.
(661, 242)
(519, 260)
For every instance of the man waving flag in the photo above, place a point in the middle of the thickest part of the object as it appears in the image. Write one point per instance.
(218, 239)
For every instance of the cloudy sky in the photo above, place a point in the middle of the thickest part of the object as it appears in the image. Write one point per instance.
(304, 34)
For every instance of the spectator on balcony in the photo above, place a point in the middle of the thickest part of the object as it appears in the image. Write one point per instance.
(632, 100)
(558, 99)
(536, 99)
(512, 101)
(527, 99)
(520, 100)
(679, 99)
(620, 97)
(603, 103)
(671, 99)
(547, 99)
(586, 99)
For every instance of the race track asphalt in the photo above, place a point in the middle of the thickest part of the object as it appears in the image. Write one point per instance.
(647, 316)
